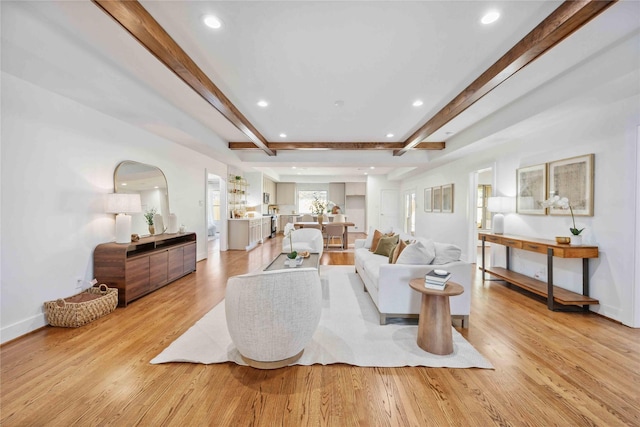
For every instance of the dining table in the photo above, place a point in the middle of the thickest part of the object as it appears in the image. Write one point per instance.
(314, 224)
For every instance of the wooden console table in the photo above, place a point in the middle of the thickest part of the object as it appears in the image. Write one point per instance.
(141, 267)
(557, 298)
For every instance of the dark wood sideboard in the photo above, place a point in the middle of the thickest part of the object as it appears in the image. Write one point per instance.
(557, 298)
(141, 267)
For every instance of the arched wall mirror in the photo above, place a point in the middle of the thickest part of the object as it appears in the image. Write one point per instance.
(148, 181)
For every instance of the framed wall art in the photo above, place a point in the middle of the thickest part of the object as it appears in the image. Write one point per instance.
(447, 198)
(428, 201)
(437, 199)
(573, 178)
(531, 184)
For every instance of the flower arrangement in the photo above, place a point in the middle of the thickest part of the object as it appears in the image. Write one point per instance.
(563, 203)
(288, 230)
(317, 206)
(148, 215)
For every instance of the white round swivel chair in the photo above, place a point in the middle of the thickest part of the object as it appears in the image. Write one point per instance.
(272, 315)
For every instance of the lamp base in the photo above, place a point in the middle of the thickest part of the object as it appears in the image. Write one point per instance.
(123, 228)
(498, 223)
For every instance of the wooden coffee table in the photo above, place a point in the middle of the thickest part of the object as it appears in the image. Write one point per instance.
(312, 261)
(434, 324)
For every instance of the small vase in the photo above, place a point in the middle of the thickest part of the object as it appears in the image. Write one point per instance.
(320, 219)
(152, 230)
(576, 239)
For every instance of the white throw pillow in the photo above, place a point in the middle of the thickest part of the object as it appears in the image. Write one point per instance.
(446, 253)
(417, 253)
(369, 240)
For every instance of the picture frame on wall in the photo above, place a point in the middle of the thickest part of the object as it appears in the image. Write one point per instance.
(437, 199)
(531, 183)
(428, 201)
(572, 178)
(447, 198)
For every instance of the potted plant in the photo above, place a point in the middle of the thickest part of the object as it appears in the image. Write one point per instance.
(563, 203)
(288, 230)
(148, 216)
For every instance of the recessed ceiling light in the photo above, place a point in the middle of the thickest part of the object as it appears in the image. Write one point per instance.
(372, 167)
(283, 135)
(417, 103)
(212, 21)
(389, 135)
(366, 173)
(124, 184)
(490, 17)
(293, 167)
(262, 103)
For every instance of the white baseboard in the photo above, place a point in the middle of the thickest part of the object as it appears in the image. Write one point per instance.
(8, 333)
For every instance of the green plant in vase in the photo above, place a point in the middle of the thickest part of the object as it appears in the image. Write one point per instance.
(288, 232)
(148, 216)
(563, 203)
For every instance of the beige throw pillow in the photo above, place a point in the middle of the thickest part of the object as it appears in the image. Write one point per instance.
(386, 245)
(377, 235)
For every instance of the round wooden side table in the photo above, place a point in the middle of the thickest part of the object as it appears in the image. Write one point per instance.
(434, 323)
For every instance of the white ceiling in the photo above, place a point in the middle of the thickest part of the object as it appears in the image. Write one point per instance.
(301, 56)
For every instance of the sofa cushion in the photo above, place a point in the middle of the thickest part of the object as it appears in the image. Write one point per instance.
(393, 258)
(386, 245)
(417, 253)
(446, 253)
(377, 235)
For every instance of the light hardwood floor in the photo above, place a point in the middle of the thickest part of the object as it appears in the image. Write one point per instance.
(551, 368)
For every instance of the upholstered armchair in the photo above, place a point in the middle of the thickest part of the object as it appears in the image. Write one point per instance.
(272, 315)
(304, 239)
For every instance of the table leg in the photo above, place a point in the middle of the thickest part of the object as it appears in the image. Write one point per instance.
(434, 325)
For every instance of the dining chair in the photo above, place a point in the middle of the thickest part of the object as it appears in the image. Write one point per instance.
(339, 218)
(332, 231)
(306, 218)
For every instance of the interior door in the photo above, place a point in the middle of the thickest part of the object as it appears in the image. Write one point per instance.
(389, 207)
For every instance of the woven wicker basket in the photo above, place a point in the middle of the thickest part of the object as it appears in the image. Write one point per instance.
(82, 308)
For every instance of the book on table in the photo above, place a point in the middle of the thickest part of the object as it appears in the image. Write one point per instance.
(437, 276)
(437, 286)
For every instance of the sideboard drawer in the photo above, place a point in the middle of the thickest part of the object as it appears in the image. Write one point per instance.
(493, 239)
(517, 244)
(535, 247)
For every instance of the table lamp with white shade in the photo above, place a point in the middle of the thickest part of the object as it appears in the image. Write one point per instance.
(123, 204)
(499, 206)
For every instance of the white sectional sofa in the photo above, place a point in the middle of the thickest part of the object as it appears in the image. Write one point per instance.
(388, 284)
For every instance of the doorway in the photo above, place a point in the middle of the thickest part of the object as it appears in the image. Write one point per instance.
(213, 213)
(410, 212)
(388, 209)
(481, 188)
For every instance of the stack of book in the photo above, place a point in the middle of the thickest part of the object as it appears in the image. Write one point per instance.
(436, 279)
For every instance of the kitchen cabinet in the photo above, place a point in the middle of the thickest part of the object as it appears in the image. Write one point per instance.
(266, 227)
(286, 193)
(244, 234)
(355, 189)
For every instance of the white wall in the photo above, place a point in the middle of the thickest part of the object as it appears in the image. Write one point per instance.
(58, 159)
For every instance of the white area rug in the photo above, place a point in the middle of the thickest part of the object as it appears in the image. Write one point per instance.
(349, 332)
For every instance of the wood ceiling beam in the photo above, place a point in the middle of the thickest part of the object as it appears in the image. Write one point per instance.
(140, 24)
(275, 146)
(561, 23)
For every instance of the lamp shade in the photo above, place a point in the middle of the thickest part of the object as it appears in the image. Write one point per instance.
(123, 203)
(501, 204)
